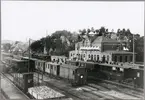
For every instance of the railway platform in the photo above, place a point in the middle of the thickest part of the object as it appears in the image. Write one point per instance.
(11, 90)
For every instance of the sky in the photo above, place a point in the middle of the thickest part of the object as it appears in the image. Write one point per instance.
(21, 20)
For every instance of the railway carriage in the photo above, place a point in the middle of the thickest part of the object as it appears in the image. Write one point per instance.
(77, 76)
(40, 65)
(136, 74)
(52, 68)
(31, 62)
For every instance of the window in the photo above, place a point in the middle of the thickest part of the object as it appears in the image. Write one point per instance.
(120, 58)
(138, 74)
(94, 57)
(48, 66)
(131, 58)
(89, 56)
(115, 58)
(107, 57)
(97, 57)
(73, 72)
(125, 58)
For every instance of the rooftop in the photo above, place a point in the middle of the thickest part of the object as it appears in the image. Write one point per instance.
(52, 63)
(119, 52)
(69, 66)
(124, 65)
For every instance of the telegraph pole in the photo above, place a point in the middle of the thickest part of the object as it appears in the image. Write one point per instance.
(133, 51)
(0, 54)
(29, 56)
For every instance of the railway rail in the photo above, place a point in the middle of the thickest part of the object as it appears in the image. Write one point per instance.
(86, 91)
(65, 90)
(116, 88)
(117, 84)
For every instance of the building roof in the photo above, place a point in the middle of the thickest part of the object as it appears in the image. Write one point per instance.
(69, 66)
(30, 58)
(58, 56)
(52, 63)
(100, 39)
(124, 66)
(18, 60)
(120, 52)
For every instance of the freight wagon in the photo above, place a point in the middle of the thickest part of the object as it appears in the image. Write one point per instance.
(23, 81)
(77, 76)
(40, 65)
(31, 63)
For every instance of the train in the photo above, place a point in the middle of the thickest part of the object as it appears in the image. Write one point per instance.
(124, 73)
(77, 76)
(79, 72)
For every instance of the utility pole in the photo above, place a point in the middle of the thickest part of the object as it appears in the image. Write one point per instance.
(133, 51)
(29, 56)
(0, 54)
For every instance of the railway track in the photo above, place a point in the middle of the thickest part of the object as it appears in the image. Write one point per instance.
(116, 90)
(82, 95)
(93, 92)
(116, 83)
(57, 88)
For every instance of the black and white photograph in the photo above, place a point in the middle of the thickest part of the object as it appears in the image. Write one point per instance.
(72, 50)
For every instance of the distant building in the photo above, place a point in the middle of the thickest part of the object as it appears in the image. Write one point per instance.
(59, 59)
(102, 48)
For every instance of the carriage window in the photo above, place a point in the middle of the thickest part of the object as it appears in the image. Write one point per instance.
(48, 66)
(115, 58)
(73, 72)
(130, 58)
(121, 69)
(118, 69)
(138, 74)
(113, 68)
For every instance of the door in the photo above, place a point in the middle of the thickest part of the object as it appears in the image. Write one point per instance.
(58, 70)
(103, 59)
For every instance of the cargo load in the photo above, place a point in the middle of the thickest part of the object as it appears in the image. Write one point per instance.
(44, 92)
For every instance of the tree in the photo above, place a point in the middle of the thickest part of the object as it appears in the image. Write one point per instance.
(88, 30)
(92, 29)
(7, 47)
(37, 46)
(106, 30)
(123, 30)
(101, 31)
(118, 31)
(83, 32)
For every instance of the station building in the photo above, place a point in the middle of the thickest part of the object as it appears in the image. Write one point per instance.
(102, 48)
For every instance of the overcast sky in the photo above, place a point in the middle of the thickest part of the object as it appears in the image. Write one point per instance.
(30, 19)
